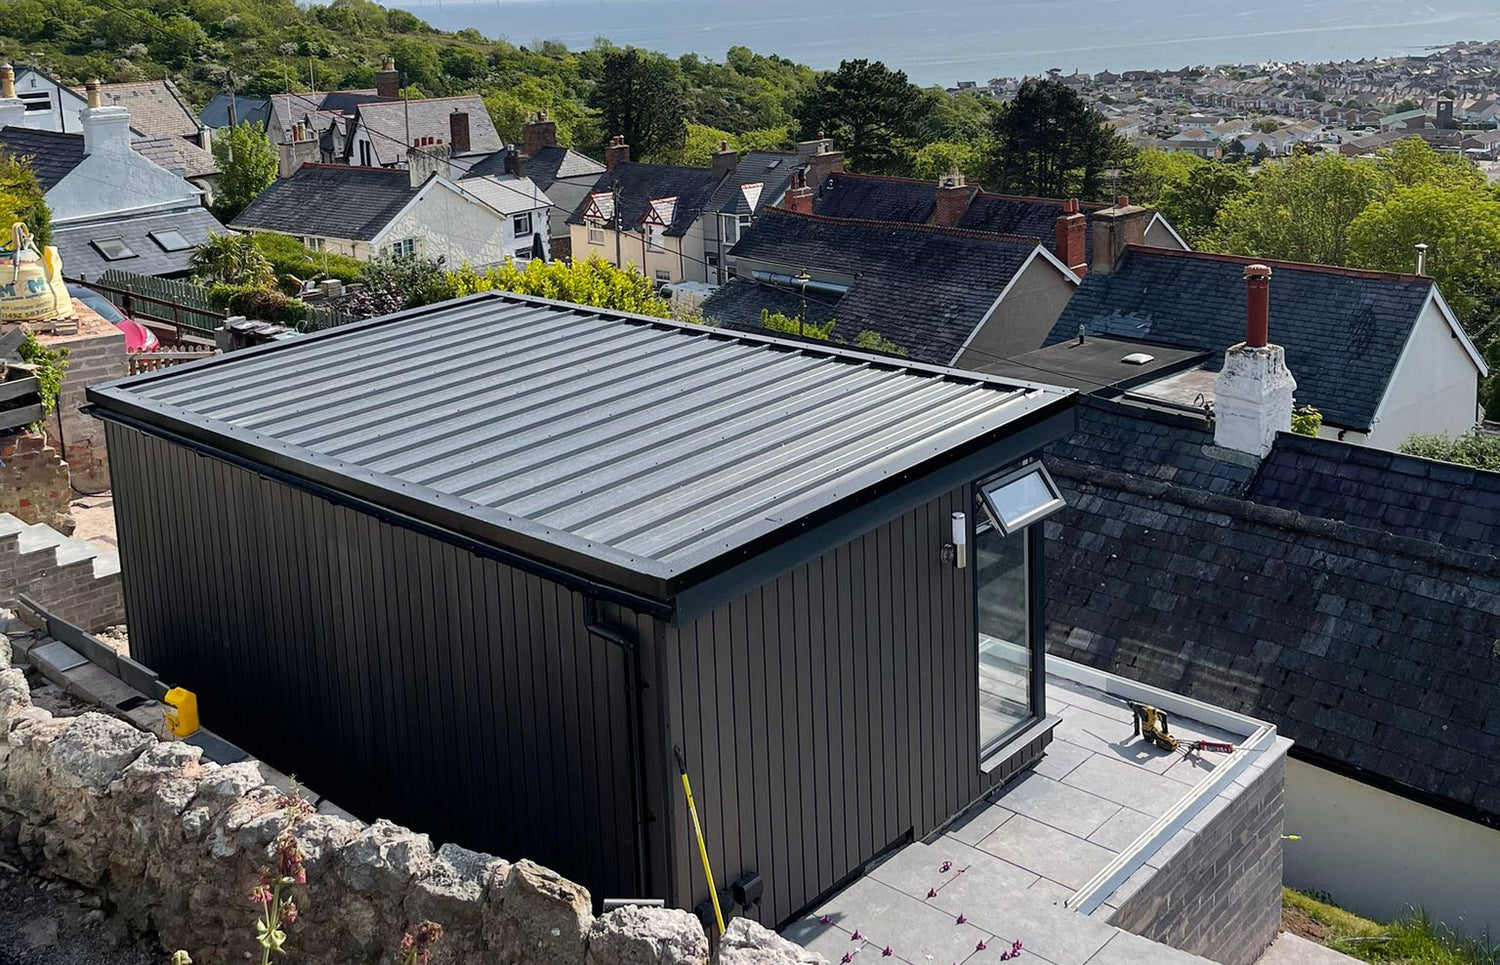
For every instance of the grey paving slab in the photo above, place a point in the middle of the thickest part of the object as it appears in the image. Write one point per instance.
(981, 880)
(1072, 694)
(1061, 757)
(1121, 830)
(1059, 805)
(1289, 949)
(1110, 737)
(831, 941)
(1134, 787)
(1044, 850)
(1050, 891)
(916, 931)
(1055, 933)
(979, 821)
(1192, 768)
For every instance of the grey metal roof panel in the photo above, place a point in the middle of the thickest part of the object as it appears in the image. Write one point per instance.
(634, 450)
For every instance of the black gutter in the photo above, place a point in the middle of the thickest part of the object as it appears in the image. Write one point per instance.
(565, 578)
(637, 738)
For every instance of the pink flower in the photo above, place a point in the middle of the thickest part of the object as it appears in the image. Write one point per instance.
(289, 912)
(260, 896)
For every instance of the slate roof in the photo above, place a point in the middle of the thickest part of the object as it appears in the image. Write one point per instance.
(640, 184)
(178, 155)
(53, 155)
(507, 195)
(544, 167)
(393, 125)
(1455, 505)
(254, 110)
(81, 259)
(924, 288)
(330, 201)
(1372, 650)
(1343, 330)
(913, 201)
(760, 178)
(290, 108)
(157, 108)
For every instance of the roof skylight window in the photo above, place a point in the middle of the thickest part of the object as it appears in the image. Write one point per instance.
(113, 249)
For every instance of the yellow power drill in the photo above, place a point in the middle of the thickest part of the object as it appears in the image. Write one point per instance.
(1151, 724)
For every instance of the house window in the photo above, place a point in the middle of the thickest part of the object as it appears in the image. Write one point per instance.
(170, 240)
(112, 249)
(729, 229)
(523, 224)
(653, 239)
(312, 244)
(522, 253)
(404, 248)
(1004, 508)
(663, 275)
(364, 153)
(596, 235)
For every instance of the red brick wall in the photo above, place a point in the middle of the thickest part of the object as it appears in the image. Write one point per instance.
(34, 481)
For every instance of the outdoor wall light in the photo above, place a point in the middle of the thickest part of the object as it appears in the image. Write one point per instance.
(956, 553)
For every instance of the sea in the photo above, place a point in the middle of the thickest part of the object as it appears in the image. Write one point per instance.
(975, 40)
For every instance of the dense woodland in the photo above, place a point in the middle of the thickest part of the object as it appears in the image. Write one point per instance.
(1321, 208)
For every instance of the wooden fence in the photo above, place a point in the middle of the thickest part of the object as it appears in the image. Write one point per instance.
(186, 307)
(166, 358)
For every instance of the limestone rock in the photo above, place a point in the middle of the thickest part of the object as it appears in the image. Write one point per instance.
(14, 694)
(537, 917)
(647, 936)
(452, 891)
(748, 943)
(95, 749)
(384, 857)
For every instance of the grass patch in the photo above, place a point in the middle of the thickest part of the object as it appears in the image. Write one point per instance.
(1414, 939)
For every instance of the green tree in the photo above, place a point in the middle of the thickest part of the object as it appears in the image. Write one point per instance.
(1152, 171)
(419, 63)
(463, 63)
(870, 111)
(1461, 227)
(936, 159)
(247, 165)
(1049, 142)
(1299, 209)
(639, 97)
(1193, 204)
(230, 259)
(21, 199)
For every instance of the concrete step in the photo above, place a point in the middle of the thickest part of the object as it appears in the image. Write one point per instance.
(106, 564)
(39, 537)
(10, 525)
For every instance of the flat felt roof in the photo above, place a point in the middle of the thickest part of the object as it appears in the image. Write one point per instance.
(644, 453)
(1096, 363)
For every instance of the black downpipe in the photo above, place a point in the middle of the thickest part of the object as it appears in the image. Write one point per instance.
(636, 685)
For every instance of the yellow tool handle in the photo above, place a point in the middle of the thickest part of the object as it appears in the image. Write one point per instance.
(713, 893)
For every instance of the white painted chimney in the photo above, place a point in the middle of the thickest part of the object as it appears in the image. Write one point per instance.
(12, 108)
(105, 129)
(1254, 391)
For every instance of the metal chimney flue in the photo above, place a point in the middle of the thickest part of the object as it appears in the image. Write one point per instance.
(1421, 258)
(1257, 305)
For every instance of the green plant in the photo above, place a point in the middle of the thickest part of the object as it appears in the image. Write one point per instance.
(1478, 449)
(288, 256)
(50, 365)
(876, 342)
(1306, 420)
(230, 259)
(592, 282)
(794, 325)
(247, 163)
(1416, 938)
(277, 909)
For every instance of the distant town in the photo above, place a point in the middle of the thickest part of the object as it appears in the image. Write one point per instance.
(1447, 96)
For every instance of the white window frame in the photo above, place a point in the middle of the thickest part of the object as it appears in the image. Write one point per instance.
(663, 275)
(521, 224)
(405, 248)
(596, 234)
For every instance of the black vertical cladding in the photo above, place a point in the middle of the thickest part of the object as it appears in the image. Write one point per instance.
(866, 673)
(338, 646)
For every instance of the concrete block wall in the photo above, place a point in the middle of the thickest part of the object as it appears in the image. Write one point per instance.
(93, 356)
(1214, 889)
(34, 481)
(67, 576)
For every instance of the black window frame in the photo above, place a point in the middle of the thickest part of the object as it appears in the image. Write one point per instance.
(127, 252)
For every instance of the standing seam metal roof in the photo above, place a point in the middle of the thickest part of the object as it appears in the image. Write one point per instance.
(653, 446)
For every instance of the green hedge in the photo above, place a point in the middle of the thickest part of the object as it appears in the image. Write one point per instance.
(288, 256)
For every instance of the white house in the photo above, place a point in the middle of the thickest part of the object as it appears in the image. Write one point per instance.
(366, 212)
(112, 206)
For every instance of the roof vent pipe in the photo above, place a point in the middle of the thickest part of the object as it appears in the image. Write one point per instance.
(1421, 258)
(1257, 305)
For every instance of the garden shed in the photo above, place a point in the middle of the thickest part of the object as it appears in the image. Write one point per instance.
(484, 567)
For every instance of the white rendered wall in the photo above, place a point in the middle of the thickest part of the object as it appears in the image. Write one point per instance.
(1434, 390)
(1377, 853)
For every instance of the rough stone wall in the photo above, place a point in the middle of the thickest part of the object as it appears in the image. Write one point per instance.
(34, 481)
(93, 356)
(177, 843)
(1215, 888)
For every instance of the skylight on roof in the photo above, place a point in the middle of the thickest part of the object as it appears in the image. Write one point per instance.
(773, 164)
(113, 249)
(170, 240)
(1018, 499)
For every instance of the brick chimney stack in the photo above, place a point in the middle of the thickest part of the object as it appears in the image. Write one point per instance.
(725, 161)
(537, 134)
(299, 148)
(1253, 393)
(12, 108)
(616, 153)
(799, 197)
(458, 131)
(515, 163)
(426, 158)
(951, 199)
(1072, 238)
(388, 80)
(1114, 228)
